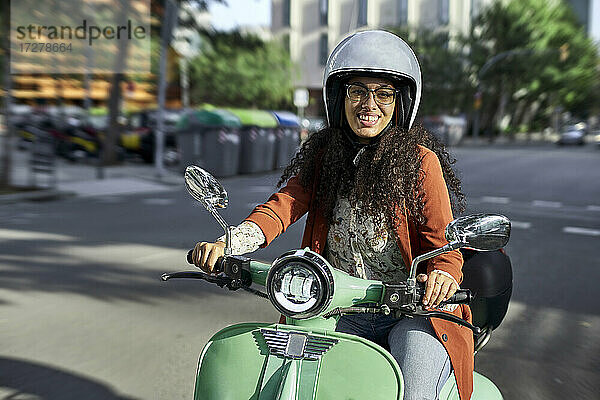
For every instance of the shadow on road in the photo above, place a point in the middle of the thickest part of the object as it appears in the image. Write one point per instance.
(51, 269)
(25, 379)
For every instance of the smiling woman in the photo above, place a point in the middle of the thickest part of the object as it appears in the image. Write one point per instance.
(376, 190)
(369, 106)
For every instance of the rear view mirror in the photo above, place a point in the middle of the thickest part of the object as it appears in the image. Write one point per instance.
(484, 232)
(208, 191)
(205, 188)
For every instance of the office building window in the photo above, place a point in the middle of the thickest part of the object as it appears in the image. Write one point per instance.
(285, 8)
(323, 11)
(474, 9)
(402, 12)
(444, 12)
(323, 49)
(362, 12)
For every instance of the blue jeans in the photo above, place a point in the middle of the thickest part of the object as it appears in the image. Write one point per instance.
(421, 356)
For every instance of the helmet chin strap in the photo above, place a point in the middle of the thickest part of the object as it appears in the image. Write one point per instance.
(358, 146)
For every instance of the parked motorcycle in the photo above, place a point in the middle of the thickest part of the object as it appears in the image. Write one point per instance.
(305, 359)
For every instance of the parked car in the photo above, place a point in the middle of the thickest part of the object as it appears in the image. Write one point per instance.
(140, 136)
(572, 134)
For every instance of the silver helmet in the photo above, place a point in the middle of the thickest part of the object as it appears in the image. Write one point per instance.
(378, 53)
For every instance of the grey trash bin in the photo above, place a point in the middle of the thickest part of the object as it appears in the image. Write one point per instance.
(257, 138)
(210, 139)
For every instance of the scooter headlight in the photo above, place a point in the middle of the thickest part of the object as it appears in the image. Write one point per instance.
(300, 284)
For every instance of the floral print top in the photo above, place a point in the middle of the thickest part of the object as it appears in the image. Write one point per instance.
(362, 249)
(354, 245)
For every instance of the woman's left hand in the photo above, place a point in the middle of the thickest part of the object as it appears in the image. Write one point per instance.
(438, 288)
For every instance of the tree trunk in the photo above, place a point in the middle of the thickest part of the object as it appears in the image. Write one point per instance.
(488, 115)
(517, 115)
(530, 114)
(501, 106)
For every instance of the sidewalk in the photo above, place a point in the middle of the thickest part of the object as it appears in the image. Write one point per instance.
(81, 180)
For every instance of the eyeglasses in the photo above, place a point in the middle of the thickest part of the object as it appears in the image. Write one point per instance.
(358, 92)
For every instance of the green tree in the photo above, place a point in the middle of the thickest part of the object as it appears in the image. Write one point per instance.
(242, 71)
(529, 57)
(446, 87)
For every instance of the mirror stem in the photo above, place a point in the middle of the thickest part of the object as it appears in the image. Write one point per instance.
(218, 217)
(226, 228)
(448, 247)
(227, 250)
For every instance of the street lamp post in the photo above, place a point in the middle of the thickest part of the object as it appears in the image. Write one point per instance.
(170, 19)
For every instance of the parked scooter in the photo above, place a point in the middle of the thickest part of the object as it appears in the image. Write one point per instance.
(305, 359)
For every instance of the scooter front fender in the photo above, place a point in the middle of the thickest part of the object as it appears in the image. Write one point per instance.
(250, 361)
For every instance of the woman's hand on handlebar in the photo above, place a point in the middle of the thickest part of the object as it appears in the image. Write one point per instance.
(438, 287)
(205, 255)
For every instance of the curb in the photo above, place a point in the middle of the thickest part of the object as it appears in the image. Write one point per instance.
(37, 195)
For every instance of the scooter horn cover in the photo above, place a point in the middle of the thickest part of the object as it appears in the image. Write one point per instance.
(378, 53)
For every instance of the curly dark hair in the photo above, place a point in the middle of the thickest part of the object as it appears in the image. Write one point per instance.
(388, 173)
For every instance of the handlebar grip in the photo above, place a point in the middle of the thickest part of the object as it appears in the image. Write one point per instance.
(461, 296)
(219, 265)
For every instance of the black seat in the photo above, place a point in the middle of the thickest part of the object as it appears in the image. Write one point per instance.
(488, 274)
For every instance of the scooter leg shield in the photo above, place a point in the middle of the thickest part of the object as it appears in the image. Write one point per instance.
(282, 362)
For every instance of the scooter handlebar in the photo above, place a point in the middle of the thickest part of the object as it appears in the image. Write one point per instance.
(219, 266)
(461, 296)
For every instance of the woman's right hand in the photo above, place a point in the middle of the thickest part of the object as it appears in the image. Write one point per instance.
(205, 255)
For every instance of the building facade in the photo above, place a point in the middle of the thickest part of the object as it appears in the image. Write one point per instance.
(311, 28)
(588, 14)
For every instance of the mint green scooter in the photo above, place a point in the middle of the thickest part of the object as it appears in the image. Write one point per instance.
(305, 359)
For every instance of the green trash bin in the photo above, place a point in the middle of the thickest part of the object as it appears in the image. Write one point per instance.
(257, 140)
(210, 139)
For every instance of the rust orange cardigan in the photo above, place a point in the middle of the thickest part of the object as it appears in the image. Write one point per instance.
(293, 201)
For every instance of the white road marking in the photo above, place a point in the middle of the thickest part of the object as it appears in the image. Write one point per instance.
(593, 208)
(547, 204)
(261, 189)
(520, 225)
(581, 231)
(112, 187)
(158, 202)
(496, 200)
